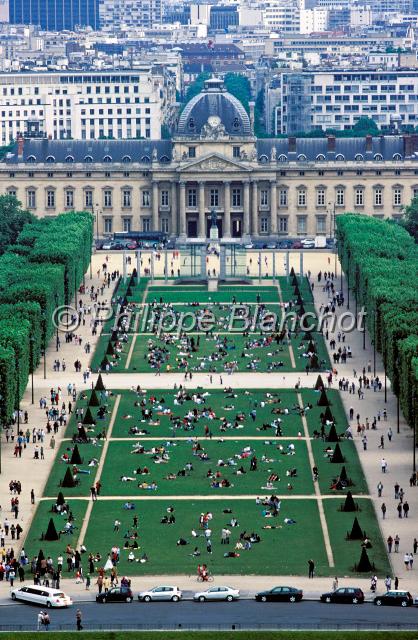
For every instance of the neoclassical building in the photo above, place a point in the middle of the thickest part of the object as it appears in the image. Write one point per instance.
(259, 187)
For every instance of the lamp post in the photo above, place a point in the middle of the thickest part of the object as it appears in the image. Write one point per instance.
(31, 341)
(374, 346)
(17, 393)
(97, 220)
(44, 339)
(332, 233)
(385, 354)
(1, 427)
(56, 307)
(414, 456)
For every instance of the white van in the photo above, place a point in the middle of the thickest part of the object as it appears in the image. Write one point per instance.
(44, 596)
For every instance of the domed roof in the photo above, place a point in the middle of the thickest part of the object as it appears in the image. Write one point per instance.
(214, 100)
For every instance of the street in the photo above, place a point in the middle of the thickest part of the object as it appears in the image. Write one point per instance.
(244, 614)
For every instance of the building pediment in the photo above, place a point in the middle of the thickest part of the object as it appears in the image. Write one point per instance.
(213, 162)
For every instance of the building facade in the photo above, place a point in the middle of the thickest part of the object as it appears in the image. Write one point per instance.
(86, 105)
(117, 14)
(266, 187)
(55, 15)
(338, 99)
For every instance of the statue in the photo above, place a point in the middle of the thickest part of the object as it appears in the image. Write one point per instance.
(154, 155)
(243, 155)
(213, 129)
(273, 154)
(254, 155)
(213, 218)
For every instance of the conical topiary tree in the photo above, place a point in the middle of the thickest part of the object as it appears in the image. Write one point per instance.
(356, 533)
(60, 499)
(75, 456)
(88, 417)
(94, 400)
(301, 311)
(68, 480)
(311, 347)
(364, 565)
(307, 335)
(99, 384)
(313, 361)
(349, 504)
(319, 384)
(110, 350)
(323, 399)
(328, 417)
(292, 274)
(332, 434)
(114, 336)
(104, 363)
(39, 559)
(51, 532)
(343, 475)
(129, 291)
(82, 435)
(337, 455)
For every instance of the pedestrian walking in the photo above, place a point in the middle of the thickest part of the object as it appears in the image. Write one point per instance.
(396, 488)
(411, 561)
(78, 619)
(399, 508)
(389, 542)
(415, 546)
(311, 566)
(406, 561)
(397, 541)
(388, 583)
(396, 583)
(383, 465)
(379, 489)
(383, 509)
(32, 496)
(405, 509)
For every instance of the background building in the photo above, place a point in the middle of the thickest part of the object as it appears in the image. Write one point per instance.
(87, 106)
(55, 15)
(125, 14)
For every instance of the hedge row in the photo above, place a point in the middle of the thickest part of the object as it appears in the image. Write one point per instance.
(380, 260)
(39, 272)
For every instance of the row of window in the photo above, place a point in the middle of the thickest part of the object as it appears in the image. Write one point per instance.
(214, 197)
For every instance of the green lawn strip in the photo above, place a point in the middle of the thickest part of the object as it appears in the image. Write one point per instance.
(347, 553)
(33, 542)
(221, 635)
(236, 345)
(329, 471)
(282, 551)
(300, 346)
(87, 451)
(83, 401)
(184, 294)
(218, 401)
(313, 415)
(120, 461)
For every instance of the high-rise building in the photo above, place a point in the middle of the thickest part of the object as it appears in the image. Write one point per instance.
(55, 15)
(116, 14)
(4, 10)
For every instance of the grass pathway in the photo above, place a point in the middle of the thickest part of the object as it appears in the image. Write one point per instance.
(290, 347)
(250, 496)
(322, 517)
(135, 329)
(99, 469)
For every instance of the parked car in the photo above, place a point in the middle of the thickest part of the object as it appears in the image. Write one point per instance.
(344, 595)
(160, 593)
(394, 598)
(132, 245)
(280, 594)
(44, 596)
(308, 243)
(115, 594)
(271, 245)
(217, 593)
(249, 246)
(297, 245)
(285, 244)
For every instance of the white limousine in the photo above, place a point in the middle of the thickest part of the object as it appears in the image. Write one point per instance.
(44, 596)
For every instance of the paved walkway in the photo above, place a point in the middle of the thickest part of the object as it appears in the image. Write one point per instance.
(398, 453)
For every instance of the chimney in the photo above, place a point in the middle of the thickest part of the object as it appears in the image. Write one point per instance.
(251, 105)
(331, 144)
(414, 143)
(291, 144)
(407, 146)
(369, 142)
(20, 145)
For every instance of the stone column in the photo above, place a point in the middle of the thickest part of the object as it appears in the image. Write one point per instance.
(183, 209)
(246, 208)
(227, 210)
(254, 229)
(202, 217)
(174, 230)
(155, 206)
(273, 207)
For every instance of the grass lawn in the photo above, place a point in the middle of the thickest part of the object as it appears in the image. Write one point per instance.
(87, 451)
(82, 402)
(121, 462)
(33, 542)
(329, 471)
(235, 409)
(282, 551)
(313, 415)
(186, 294)
(221, 635)
(346, 554)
